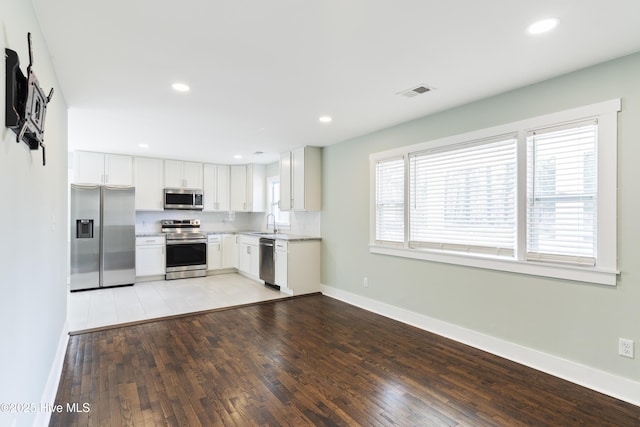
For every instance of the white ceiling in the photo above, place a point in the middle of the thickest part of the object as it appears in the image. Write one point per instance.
(262, 71)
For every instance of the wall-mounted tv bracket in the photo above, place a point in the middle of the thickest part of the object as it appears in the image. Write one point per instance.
(26, 104)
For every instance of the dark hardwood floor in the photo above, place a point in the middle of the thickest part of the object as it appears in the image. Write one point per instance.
(309, 361)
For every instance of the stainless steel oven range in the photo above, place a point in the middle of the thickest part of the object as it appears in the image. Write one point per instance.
(186, 248)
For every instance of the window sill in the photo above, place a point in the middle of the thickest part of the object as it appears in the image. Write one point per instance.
(580, 274)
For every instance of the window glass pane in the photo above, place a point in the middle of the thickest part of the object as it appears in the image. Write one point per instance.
(562, 194)
(463, 198)
(390, 200)
(281, 218)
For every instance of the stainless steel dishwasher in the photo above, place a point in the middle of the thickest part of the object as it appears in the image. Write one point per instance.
(267, 263)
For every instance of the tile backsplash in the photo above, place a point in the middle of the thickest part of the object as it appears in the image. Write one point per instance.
(302, 223)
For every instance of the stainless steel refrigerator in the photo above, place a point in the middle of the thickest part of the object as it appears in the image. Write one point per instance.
(103, 241)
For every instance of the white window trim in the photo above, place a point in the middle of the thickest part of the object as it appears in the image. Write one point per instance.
(270, 202)
(605, 272)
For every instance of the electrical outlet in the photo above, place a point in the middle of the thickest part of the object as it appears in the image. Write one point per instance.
(365, 282)
(625, 347)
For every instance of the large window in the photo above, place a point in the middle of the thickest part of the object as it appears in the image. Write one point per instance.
(562, 194)
(536, 197)
(390, 200)
(463, 197)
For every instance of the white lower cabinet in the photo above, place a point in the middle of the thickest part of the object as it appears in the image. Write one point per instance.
(214, 252)
(150, 256)
(229, 251)
(298, 266)
(222, 252)
(281, 264)
(249, 256)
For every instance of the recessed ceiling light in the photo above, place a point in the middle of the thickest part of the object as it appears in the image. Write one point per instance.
(180, 87)
(143, 145)
(542, 26)
(237, 156)
(325, 119)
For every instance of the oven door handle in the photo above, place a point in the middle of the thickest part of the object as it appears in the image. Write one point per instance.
(183, 241)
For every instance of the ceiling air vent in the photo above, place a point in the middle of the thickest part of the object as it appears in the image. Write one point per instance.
(415, 91)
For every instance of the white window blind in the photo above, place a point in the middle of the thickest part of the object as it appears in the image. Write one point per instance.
(463, 197)
(562, 194)
(390, 200)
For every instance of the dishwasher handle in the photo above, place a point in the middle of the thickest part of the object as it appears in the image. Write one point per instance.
(269, 243)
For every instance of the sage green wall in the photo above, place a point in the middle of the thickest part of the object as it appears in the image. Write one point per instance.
(574, 321)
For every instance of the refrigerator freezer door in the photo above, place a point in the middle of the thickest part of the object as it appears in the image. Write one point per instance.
(85, 237)
(118, 236)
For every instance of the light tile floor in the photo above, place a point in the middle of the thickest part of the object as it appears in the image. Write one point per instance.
(148, 300)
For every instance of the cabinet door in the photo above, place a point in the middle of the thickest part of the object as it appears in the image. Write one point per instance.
(229, 251)
(256, 192)
(238, 196)
(148, 179)
(223, 187)
(214, 256)
(118, 169)
(150, 260)
(216, 187)
(285, 181)
(210, 187)
(281, 269)
(244, 258)
(192, 175)
(88, 168)
(297, 179)
(173, 174)
(254, 261)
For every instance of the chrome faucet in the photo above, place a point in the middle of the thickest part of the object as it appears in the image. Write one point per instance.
(275, 230)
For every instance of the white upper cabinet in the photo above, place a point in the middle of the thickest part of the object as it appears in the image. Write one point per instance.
(238, 196)
(101, 168)
(216, 187)
(248, 188)
(179, 174)
(148, 179)
(239, 188)
(301, 179)
(285, 182)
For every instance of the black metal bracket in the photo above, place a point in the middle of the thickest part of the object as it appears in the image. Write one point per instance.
(26, 103)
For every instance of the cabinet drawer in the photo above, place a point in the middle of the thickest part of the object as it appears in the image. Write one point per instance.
(243, 239)
(282, 245)
(214, 238)
(149, 240)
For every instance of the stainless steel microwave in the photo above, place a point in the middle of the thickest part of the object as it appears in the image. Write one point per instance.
(183, 198)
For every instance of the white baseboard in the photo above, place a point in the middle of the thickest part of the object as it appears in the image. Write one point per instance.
(600, 381)
(51, 388)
